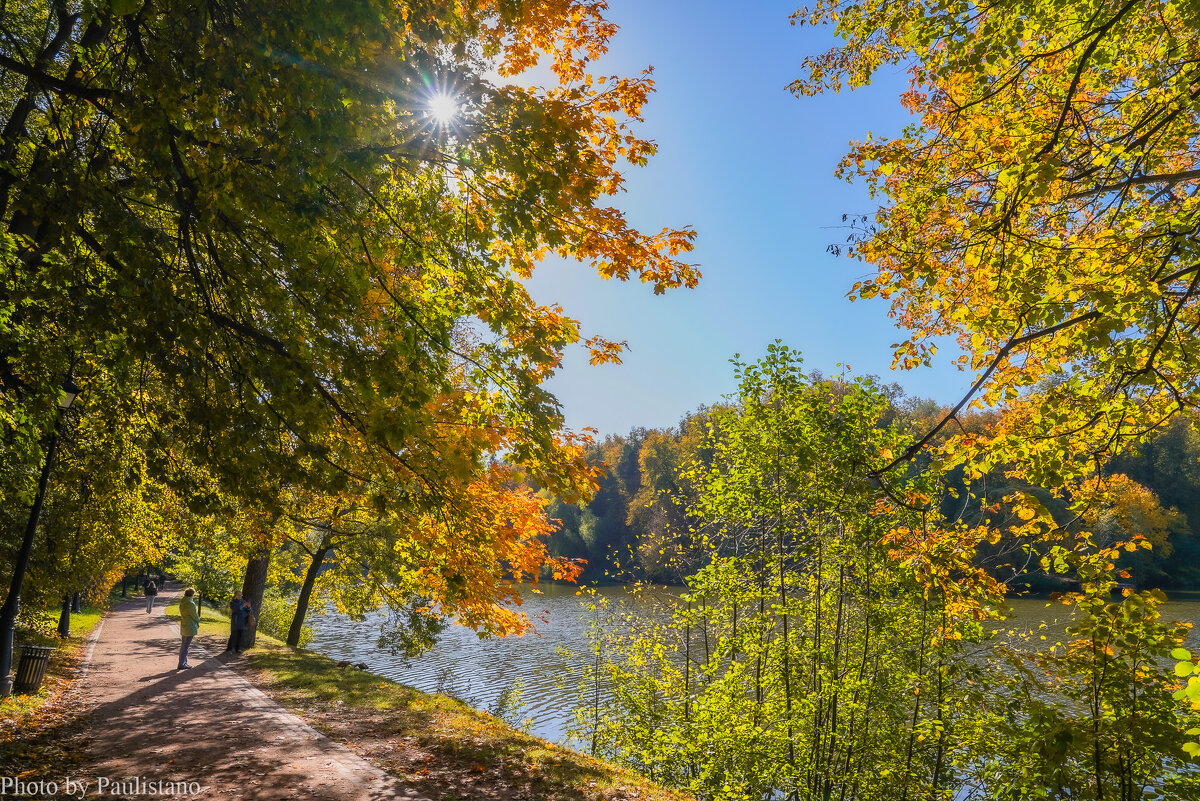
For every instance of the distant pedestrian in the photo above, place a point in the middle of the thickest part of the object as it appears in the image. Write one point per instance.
(238, 611)
(189, 624)
(151, 591)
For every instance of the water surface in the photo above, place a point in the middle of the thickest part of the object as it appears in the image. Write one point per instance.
(479, 670)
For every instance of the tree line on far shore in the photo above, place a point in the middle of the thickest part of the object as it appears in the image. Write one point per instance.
(637, 527)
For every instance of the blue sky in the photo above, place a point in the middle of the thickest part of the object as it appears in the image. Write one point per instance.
(752, 169)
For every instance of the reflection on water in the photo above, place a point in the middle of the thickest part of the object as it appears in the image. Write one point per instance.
(1030, 613)
(480, 670)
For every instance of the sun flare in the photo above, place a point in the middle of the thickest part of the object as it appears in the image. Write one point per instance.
(443, 108)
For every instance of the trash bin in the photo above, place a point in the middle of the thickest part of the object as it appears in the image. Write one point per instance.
(32, 668)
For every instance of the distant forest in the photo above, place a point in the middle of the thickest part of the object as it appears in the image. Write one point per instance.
(638, 526)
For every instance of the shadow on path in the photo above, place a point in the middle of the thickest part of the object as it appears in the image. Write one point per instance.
(206, 725)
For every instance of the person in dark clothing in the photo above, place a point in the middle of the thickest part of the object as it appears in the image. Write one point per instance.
(238, 612)
(251, 622)
(151, 591)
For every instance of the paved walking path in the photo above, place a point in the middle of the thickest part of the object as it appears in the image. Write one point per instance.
(205, 725)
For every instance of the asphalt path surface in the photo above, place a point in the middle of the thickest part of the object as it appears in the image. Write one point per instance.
(203, 732)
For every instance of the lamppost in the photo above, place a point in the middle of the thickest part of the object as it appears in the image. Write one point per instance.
(8, 613)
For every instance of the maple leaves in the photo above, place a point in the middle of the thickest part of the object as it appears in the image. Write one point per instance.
(244, 219)
(434, 220)
(1043, 211)
(470, 562)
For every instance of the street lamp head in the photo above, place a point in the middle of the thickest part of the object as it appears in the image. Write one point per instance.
(66, 395)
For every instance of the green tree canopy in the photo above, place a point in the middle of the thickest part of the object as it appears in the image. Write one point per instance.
(250, 205)
(248, 227)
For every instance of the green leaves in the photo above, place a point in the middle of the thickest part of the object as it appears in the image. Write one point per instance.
(801, 654)
(121, 8)
(1035, 212)
(242, 221)
(1189, 694)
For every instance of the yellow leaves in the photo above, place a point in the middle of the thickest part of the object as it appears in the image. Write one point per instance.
(619, 251)
(943, 559)
(1127, 507)
(1007, 229)
(571, 32)
(496, 538)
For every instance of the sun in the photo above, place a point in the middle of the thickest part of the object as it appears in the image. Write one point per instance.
(443, 108)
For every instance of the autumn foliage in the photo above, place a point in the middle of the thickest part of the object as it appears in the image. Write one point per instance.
(1040, 209)
(277, 276)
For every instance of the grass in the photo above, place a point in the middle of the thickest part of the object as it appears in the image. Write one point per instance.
(215, 625)
(41, 735)
(15, 708)
(432, 741)
(436, 745)
(212, 622)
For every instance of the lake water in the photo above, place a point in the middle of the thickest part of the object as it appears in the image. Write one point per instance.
(480, 670)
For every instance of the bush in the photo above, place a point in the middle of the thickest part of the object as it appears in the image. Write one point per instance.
(275, 617)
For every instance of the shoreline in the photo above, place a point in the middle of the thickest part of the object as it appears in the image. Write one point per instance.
(435, 744)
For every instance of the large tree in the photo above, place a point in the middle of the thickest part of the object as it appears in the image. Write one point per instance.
(249, 217)
(1042, 207)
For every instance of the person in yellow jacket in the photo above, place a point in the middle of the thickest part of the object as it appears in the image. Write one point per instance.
(189, 624)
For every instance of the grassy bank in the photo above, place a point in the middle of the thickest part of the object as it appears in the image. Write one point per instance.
(63, 662)
(438, 746)
(213, 624)
(40, 734)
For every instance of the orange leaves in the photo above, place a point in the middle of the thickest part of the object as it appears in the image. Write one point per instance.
(558, 169)
(492, 538)
(619, 251)
(571, 32)
(944, 559)
(604, 352)
(351, 328)
(562, 569)
(1129, 513)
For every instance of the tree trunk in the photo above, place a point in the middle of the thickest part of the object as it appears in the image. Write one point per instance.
(253, 586)
(310, 578)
